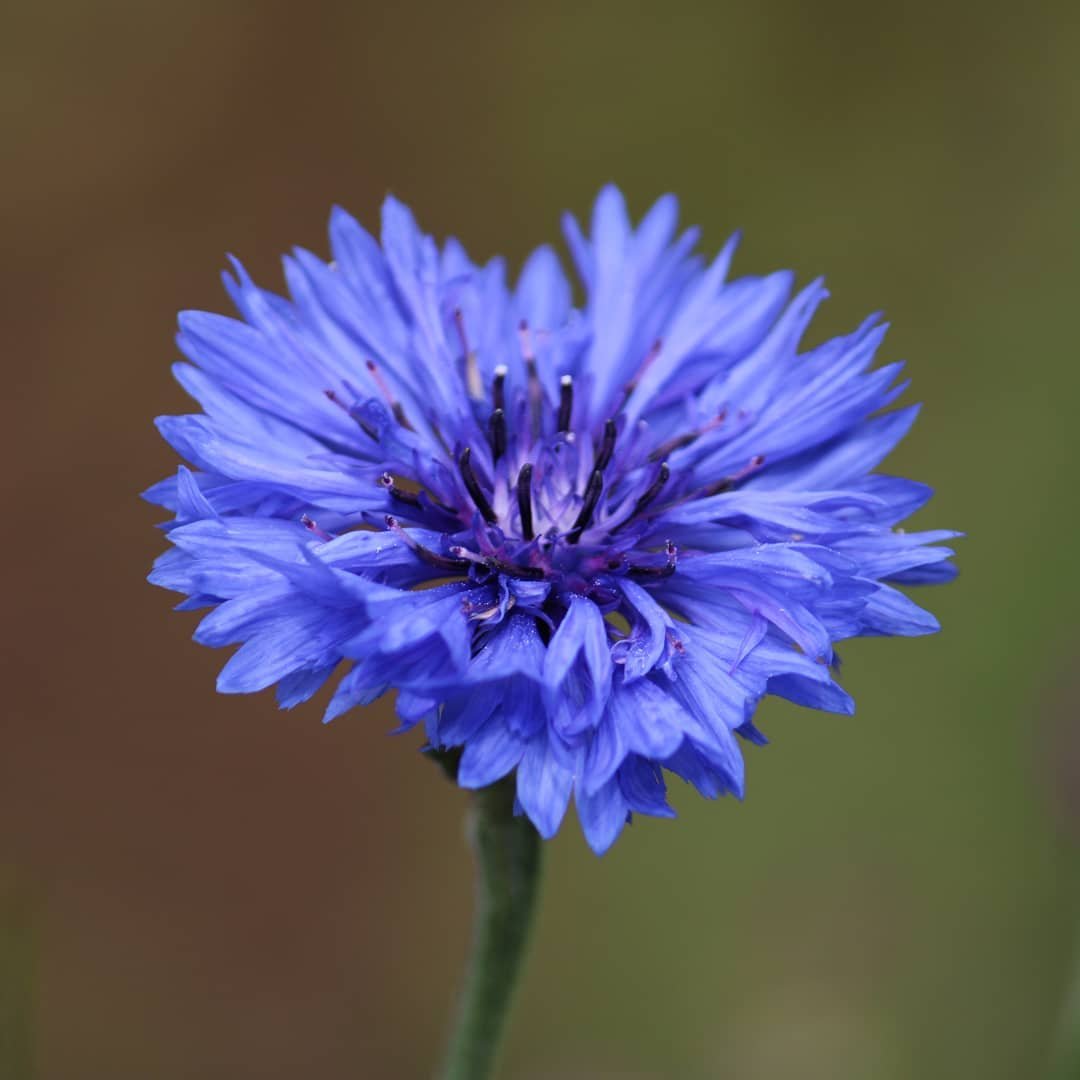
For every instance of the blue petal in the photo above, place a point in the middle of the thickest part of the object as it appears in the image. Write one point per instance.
(643, 787)
(649, 721)
(489, 755)
(603, 815)
(543, 785)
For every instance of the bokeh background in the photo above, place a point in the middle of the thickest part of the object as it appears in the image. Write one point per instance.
(201, 886)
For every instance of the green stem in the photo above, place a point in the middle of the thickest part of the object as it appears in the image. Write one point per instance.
(507, 851)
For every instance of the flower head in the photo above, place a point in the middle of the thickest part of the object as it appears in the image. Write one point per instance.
(580, 544)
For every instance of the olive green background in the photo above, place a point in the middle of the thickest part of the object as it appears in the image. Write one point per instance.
(193, 885)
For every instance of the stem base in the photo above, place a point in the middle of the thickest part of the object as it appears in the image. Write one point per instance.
(508, 860)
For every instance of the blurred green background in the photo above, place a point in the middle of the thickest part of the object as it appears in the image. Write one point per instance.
(198, 886)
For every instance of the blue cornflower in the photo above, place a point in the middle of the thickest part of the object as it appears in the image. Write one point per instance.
(579, 543)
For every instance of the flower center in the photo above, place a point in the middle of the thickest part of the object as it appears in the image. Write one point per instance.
(538, 492)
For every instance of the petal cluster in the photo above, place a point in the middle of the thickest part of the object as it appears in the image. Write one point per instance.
(579, 542)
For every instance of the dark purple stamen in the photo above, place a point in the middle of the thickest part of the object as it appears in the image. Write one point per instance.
(566, 401)
(667, 449)
(527, 573)
(650, 357)
(432, 558)
(607, 446)
(396, 407)
(497, 433)
(368, 430)
(400, 494)
(652, 490)
(498, 388)
(472, 370)
(313, 527)
(659, 571)
(720, 487)
(472, 485)
(524, 497)
(592, 496)
(501, 566)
